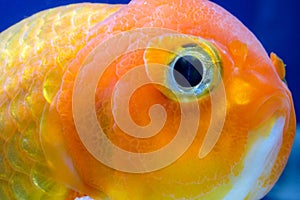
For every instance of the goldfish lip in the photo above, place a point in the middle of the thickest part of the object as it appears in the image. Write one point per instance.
(275, 105)
(262, 150)
(264, 142)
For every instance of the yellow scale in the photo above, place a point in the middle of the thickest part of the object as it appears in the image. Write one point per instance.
(28, 86)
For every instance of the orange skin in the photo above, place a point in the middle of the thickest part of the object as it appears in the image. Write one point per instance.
(253, 66)
(254, 91)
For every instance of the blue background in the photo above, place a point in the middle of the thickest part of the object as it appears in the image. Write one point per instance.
(276, 23)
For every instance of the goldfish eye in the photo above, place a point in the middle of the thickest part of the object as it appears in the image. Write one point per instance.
(187, 71)
(194, 71)
(193, 65)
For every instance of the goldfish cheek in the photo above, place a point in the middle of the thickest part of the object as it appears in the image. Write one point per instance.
(248, 90)
(263, 102)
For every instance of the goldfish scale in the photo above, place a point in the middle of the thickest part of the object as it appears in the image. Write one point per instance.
(32, 74)
(5, 192)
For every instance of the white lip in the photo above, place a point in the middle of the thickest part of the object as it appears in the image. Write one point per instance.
(260, 159)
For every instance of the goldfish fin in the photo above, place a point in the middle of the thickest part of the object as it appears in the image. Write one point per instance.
(279, 66)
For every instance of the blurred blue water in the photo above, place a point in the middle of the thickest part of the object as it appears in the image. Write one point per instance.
(276, 23)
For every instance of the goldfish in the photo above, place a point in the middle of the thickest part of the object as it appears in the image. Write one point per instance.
(163, 99)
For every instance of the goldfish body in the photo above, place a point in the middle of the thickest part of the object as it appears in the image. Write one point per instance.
(162, 99)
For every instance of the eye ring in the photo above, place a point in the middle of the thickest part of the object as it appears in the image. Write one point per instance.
(167, 50)
(203, 62)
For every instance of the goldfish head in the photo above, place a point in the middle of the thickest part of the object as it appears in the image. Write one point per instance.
(173, 100)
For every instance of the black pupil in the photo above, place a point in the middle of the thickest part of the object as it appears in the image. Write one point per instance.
(191, 71)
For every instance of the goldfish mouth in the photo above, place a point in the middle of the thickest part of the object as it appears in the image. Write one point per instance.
(261, 153)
